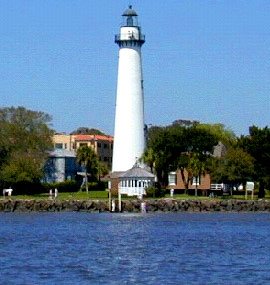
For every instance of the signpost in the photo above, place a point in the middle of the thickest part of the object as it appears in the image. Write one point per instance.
(249, 188)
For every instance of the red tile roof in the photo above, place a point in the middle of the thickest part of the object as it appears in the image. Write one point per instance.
(94, 137)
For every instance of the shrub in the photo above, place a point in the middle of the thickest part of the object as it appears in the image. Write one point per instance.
(151, 191)
(100, 185)
(66, 186)
(155, 192)
(27, 188)
(97, 186)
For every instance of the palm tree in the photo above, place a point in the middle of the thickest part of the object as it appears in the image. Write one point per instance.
(102, 170)
(148, 157)
(196, 168)
(87, 158)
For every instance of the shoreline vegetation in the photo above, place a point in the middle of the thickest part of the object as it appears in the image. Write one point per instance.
(180, 154)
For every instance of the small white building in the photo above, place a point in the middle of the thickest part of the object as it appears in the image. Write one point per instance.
(134, 181)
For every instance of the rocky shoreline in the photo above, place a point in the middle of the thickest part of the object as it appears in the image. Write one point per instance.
(161, 205)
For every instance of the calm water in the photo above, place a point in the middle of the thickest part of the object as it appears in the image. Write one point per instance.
(184, 248)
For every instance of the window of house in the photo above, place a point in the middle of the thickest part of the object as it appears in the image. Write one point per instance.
(196, 180)
(172, 177)
(65, 146)
(105, 145)
(58, 145)
(99, 144)
(82, 144)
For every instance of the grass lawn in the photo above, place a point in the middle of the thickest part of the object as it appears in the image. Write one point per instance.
(100, 195)
(237, 197)
(67, 196)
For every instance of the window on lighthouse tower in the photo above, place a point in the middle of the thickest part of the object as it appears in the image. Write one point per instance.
(129, 21)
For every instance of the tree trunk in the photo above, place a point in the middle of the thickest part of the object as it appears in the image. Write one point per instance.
(261, 190)
(159, 176)
(162, 177)
(165, 178)
(196, 186)
(185, 181)
(86, 181)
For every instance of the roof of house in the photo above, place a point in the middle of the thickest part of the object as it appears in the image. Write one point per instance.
(116, 174)
(137, 172)
(62, 153)
(93, 137)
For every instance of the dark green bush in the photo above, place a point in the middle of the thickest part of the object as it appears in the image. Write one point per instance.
(155, 192)
(97, 186)
(151, 191)
(26, 188)
(66, 186)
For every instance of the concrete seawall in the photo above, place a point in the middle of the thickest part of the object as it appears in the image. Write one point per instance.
(162, 205)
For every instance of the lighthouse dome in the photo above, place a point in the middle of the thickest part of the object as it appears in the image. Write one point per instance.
(129, 12)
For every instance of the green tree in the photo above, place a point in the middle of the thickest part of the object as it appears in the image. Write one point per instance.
(195, 168)
(199, 145)
(172, 148)
(102, 170)
(257, 144)
(25, 141)
(160, 152)
(240, 166)
(217, 168)
(22, 167)
(87, 158)
(148, 157)
(86, 131)
(234, 168)
(223, 134)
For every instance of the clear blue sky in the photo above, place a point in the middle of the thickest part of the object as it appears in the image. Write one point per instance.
(206, 60)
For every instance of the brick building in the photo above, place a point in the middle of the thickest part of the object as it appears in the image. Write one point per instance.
(176, 182)
(203, 182)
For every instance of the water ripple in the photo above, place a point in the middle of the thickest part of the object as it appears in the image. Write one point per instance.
(181, 248)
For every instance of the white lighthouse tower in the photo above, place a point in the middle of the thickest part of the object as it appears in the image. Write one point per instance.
(129, 141)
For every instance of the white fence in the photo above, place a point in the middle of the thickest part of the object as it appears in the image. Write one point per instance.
(217, 187)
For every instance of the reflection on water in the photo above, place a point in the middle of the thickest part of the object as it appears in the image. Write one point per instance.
(183, 248)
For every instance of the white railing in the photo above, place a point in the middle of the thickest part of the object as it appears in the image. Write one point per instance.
(131, 191)
(217, 186)
(130, 37)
